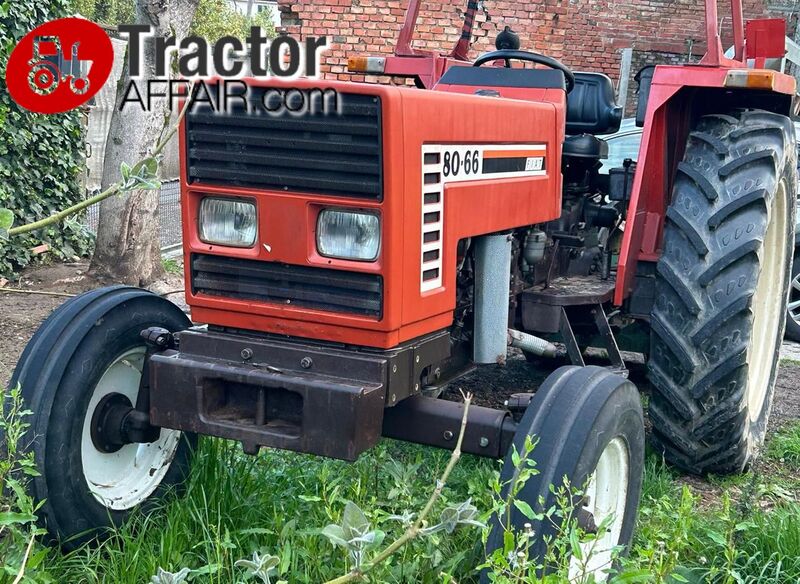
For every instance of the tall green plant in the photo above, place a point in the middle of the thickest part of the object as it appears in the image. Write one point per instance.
(41, 156)
(18, 529)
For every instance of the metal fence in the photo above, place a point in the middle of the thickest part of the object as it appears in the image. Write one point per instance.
(169, 215)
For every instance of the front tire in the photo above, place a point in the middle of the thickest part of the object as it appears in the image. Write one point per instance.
(88, 348)
(590, 430)
(721, 291)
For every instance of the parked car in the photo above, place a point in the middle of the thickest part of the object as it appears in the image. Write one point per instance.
(625, 144)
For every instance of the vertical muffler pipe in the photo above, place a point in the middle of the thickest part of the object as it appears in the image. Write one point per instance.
(492, 282)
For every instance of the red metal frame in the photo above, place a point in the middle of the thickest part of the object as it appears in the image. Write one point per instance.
(669, 111)
(427, 67)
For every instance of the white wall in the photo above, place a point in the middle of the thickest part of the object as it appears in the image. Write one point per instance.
(271, 5)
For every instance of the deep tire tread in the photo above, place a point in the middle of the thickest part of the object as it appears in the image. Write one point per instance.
(702, 318)
(686, 294)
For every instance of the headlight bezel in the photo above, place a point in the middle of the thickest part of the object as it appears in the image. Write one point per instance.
(230, 199)
(374, 213)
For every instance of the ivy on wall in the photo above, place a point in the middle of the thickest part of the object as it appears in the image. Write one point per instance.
(41, 156)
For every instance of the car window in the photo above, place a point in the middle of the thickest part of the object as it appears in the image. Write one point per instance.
(619, 148)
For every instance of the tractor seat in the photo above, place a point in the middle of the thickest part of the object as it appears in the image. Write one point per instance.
(488, 77)
(591, 105)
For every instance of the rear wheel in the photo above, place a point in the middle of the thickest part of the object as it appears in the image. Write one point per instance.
(87, 352)
(590, 431)
(793, 316)
(721, 291)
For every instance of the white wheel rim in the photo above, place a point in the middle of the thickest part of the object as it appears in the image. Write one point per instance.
(794, 298)
(767, 307)
(123, 479)
(606, 495)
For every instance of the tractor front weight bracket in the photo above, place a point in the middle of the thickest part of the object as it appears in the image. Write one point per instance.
(310, 397)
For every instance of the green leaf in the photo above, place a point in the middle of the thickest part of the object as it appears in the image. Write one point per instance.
(164, 577)
(146, 168)
(12, 518)
(354, 522)
(525, 509)
(508, 541)
(717, 538)
(207, 570)
(575, 544)
(336, 535)
(6, 219)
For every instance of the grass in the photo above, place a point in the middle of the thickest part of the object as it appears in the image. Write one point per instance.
(784, 446)
(278, 502)
(172, 266)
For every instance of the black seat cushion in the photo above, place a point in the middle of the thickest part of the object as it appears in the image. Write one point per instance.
(592, 106)
(503, 77)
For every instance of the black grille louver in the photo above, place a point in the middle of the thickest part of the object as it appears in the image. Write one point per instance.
(316, 152)
(307, 287)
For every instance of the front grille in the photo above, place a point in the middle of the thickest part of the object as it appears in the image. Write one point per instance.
(317, 288)
(316, 152)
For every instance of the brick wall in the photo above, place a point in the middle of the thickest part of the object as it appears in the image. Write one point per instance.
(585, 34)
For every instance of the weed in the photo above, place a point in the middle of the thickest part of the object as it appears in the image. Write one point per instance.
(269, 509)
(172, 266)
(784, 446)
(19, 559)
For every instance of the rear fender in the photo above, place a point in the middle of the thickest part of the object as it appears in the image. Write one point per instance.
(678, 96)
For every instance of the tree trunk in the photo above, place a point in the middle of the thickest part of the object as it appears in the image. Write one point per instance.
(127, 248)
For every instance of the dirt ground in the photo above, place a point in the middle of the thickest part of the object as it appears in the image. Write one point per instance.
(22, 313)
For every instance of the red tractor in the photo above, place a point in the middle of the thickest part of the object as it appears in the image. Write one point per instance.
(343, 269)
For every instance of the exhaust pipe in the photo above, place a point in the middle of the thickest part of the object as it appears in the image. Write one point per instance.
(492, 283)
(531, 344)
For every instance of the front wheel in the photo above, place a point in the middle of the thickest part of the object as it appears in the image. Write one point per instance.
(588, 429)
(87, 352)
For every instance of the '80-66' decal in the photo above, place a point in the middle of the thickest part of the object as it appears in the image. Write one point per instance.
(447, 163)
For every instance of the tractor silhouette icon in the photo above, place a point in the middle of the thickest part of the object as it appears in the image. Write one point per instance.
(49, 67)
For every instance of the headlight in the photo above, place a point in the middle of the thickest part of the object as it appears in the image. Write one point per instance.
(348, 235)
(227, 222)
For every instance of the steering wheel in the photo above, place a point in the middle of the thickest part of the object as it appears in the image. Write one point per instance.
(506, 54)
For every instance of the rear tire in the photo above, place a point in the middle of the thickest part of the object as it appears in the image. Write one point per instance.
(590, 430)
(793, 314)
(90, 346)
(721, 291)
